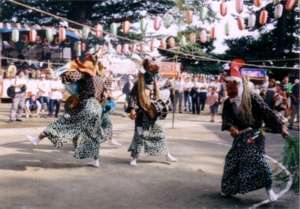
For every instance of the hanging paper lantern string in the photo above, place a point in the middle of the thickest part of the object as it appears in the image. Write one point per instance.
(290, 4)
(257, 3)
(189, 16)
(193, 37)
(239, 6)
(203, 36)
(15, 35)
(251, 20)
(263, 17)
(126, 26)
(156, 23)
(278, 11)
(223, 8)
(61, 34)
(99, 30)
(241, 23)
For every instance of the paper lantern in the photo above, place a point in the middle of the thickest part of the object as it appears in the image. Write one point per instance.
(126, 26)
(61, 34)
(49, 34)
(114, 28)
(99, 30)
(162, 44)
(193, 37)
(143, 25)
(241, 23)
(32, 35)
(171, 42)
(1, 25)
(223, 8)
(289, 5)
(203, 13)
(227, 29)
(239, 6)
(183, 41)
(125, 49)
(168, 20)
(251, 20)
(257, 3)
(189, 16)
(278, 11)
(263, 17)
(77, 48)
(119, 49)
(156, 23)
(85, 32)
(203, 36)
(213, 33)
(15, 35)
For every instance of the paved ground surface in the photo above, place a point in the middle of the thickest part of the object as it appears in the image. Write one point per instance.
(44, 178)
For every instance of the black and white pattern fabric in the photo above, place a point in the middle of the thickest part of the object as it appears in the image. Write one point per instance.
(245, 167)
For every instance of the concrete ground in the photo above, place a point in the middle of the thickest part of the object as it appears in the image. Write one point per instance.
(45, 178)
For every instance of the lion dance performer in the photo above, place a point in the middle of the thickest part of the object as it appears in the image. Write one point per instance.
(144, 102)
(243, 115)
(81, 123)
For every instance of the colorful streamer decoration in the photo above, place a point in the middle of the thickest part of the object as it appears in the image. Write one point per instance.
(114, 28)
(49, 34)
(32, 35)
(213, 33)
(251, 20)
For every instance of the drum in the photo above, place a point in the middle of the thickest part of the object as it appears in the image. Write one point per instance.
(161, 109)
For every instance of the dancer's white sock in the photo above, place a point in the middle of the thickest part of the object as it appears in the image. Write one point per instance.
(272, 196)
(170, 158)
(33, 139)
(133, 162)
(115, 142)
(94, 163)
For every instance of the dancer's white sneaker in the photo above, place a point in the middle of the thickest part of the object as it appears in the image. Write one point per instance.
(33, 139)
(116, 143)
(94, 163)
(272, 196)
(133, 162)
(170, 158)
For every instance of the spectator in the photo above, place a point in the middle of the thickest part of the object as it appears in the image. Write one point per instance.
(56, 95)
(187, 95)
(294, 103)
(178, 86)
(203, 88)
(32, 105)
(18, 101)
(287, 86)
(43, 92)
(213, 102)
(269, 95)
(194, 94)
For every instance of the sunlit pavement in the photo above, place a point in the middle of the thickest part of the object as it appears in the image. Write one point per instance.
(43, 177)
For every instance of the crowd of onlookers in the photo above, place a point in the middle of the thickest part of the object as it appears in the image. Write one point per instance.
(187, 93)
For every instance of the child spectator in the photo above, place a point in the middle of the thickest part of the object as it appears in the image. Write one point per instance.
(32, 105)
(213, 102)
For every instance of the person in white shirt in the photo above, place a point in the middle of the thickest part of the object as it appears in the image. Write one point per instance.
(56, 95)
(188, 85)
(194, 95)
(43, 92)
(179, 88)
(18, 100)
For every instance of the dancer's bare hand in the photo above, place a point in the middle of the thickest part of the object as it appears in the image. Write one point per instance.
(285, 132)
(234, 132)
(132, 115)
